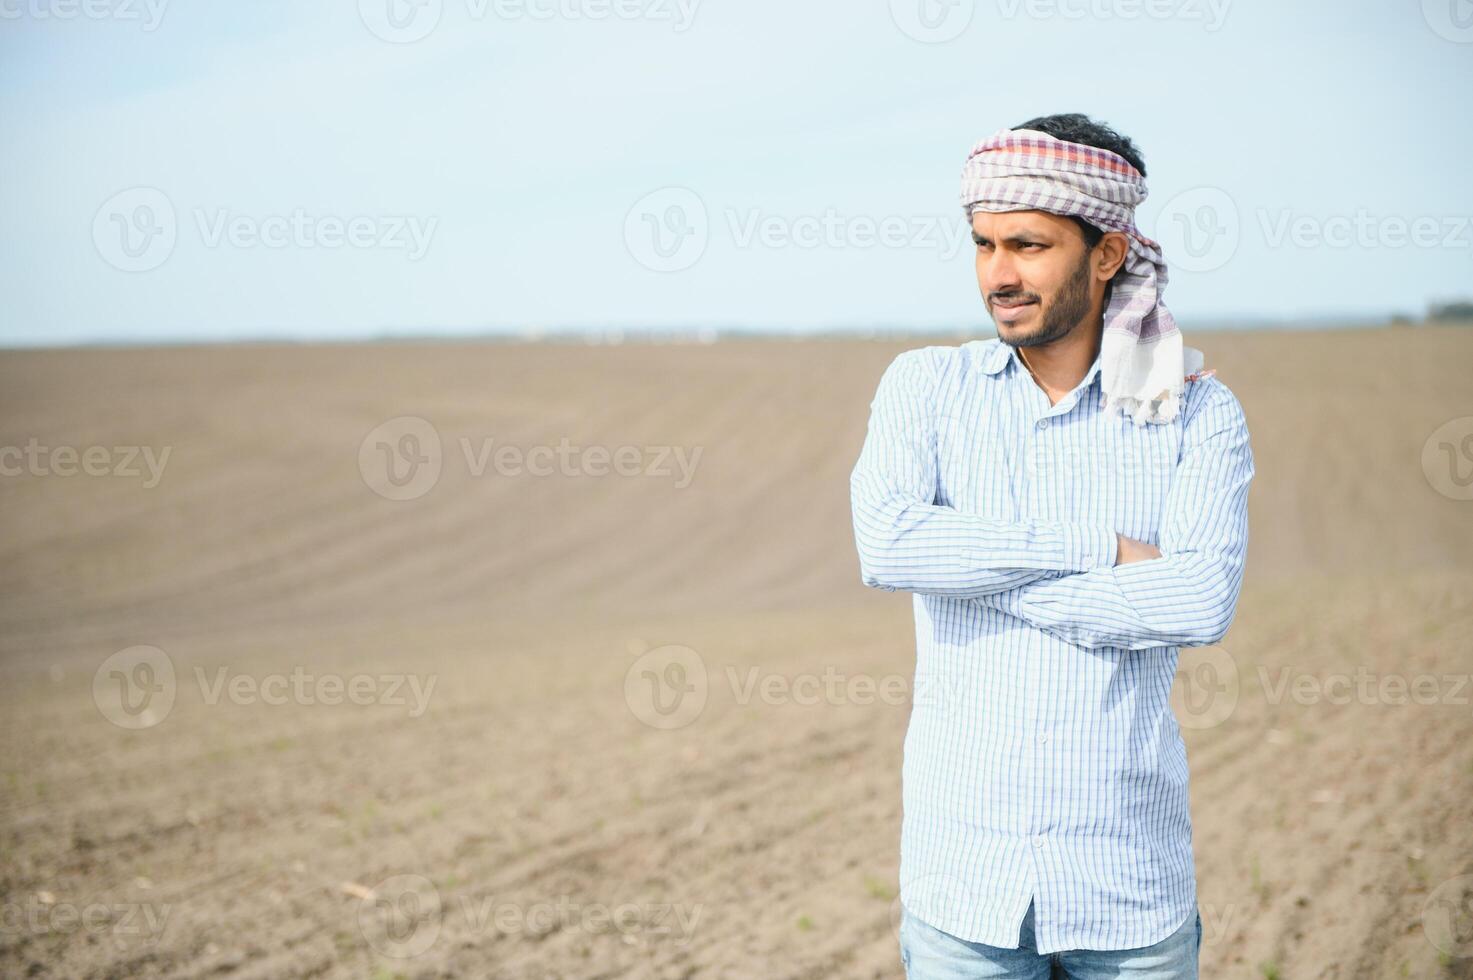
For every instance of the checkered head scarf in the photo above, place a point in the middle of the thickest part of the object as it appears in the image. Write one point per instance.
(1143, 365)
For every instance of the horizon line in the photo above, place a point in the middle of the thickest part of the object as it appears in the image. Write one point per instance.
(612, 335)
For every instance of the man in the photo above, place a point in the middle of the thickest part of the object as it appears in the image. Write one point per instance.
(1068, 502)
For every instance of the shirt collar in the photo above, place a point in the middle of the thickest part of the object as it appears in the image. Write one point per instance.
(996, 358)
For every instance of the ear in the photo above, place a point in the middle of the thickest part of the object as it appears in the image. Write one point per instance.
(1109, 255)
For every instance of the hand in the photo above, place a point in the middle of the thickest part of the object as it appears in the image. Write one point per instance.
(1133, 550)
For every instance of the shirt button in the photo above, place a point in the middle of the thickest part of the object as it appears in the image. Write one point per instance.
(1043, 740)
(1038, 841)
(1043, 423)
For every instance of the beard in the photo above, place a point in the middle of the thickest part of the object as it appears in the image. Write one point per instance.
(1067, 310)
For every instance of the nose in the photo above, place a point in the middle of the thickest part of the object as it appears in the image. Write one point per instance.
(997, 272)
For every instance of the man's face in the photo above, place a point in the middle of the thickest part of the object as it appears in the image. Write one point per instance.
(1035, 275)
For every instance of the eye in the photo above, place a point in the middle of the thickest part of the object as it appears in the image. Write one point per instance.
(1030, 245)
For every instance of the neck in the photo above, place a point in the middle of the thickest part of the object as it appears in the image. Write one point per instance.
(1060, 365)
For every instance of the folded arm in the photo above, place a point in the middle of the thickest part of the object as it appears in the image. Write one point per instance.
(906, 541)
(1186, 597)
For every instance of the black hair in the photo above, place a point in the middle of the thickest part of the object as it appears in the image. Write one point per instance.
(1076, 127)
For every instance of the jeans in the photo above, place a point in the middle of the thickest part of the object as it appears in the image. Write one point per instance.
(930, 954)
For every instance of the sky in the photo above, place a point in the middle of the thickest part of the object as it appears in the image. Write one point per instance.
(201, 171)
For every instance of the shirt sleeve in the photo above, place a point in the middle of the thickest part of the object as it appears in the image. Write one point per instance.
(1188, 596)
(906, 541)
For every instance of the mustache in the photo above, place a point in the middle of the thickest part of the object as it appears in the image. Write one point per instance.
(1008, 296)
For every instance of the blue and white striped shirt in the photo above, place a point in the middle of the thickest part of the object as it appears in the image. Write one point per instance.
(1043, 762)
